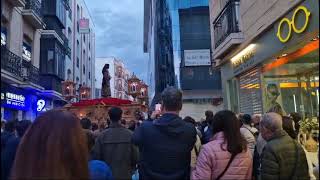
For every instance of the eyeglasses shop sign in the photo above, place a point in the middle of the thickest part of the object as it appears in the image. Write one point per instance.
(199, 57)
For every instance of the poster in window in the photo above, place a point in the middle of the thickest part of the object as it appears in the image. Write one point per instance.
(273, 99)
(3, 36)
(26, 51)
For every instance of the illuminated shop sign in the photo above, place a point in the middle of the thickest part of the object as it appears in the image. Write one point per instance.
(41, 105)
(26, 51)
(291, 23)
(3, 36)
(14, 100)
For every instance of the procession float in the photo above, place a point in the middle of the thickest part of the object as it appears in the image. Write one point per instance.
(97, 109)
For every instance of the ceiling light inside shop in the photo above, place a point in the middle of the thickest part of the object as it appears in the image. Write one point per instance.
(243, 53)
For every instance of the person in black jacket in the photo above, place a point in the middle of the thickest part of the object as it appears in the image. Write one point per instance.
(165, 144)
(9, 153)
(8, 132)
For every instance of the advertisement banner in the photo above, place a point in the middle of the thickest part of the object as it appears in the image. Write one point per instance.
(84, 26)
(200, 57)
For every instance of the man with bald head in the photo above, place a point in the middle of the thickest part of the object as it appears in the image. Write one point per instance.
(282, 157)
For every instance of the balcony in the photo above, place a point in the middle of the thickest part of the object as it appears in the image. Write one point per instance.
(226, 29)
(30, 72)
(10, 62)
(66, 44)
(32, 13)
(18, 3)
(18, 68)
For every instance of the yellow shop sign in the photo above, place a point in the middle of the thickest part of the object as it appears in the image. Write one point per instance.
(292, 24)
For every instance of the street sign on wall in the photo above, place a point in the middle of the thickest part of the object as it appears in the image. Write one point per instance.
(84, 26)
(199, 57)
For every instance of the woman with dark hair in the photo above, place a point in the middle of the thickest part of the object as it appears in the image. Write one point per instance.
(296, 117)
(288, 126)
(54, 147)
(227, 155)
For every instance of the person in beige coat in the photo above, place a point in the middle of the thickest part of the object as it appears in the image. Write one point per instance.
(196, 149)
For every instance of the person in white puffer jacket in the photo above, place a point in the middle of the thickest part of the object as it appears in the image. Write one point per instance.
(248, 132)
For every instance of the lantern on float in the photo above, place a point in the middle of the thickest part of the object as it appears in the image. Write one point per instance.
(68, 90)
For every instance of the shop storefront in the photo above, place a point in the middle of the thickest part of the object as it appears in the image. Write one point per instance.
(24, 103)
(280, 69)
(16, 103)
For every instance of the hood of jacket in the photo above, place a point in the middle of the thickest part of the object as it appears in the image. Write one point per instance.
(170, 123)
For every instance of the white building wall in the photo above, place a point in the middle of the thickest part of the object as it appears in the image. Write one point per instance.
(86, 52)
(113, 64)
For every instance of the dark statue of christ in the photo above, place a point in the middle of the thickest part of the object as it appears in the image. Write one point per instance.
(105, 90)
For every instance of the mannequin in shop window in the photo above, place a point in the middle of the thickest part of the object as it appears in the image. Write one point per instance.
(272, 96)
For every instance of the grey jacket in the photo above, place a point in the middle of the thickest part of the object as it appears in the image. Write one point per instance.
(114, 147)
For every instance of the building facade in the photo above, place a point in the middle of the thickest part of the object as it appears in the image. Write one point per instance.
(158, 43)
(80, 63)
(54, 49)
(119, 77)
(268, 54)
(21, 25)
(200, 83)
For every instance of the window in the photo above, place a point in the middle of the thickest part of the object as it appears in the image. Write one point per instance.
(27, 48)
(69, 74)
(78, 62)
(3, 36)
(69, 36)
(78, 48)
(78, 13)
(84, 69)
(60, 11)
(89, 75)
(84, 38)
(50, 59)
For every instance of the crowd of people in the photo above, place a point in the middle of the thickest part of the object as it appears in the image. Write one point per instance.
(58, 145)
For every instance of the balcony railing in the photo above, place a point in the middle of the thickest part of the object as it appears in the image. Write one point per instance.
(35, 6)
(18, 67)
(10, 62)
(227, 22)
(32, 72)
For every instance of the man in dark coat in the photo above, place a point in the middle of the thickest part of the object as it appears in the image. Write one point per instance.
(9, 153)
(114, 146)
(8, 132)
(165, 144)
(282, 157)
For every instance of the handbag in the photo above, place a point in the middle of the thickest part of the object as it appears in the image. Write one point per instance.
(224, 171)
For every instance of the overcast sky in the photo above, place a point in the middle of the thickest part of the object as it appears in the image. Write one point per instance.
(119, 33)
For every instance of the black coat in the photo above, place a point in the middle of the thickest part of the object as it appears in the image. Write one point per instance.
(165, 148)
(114, 146)
(8, 156)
